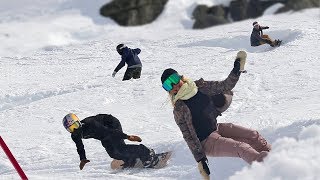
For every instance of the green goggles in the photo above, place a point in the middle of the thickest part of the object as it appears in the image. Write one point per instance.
(173, 79)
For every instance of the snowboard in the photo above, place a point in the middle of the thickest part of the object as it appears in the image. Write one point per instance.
(163, 159)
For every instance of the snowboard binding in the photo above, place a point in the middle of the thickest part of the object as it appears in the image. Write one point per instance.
(278, 42)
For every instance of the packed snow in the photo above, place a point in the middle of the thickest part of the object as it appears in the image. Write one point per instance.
(57, 57)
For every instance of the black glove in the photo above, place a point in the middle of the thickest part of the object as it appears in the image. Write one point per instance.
(236, 67)
(267, 27)
(203, 168)
(82, 163)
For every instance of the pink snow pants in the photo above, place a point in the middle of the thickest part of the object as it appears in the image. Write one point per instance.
(231, 140)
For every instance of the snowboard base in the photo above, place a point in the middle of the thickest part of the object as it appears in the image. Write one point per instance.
(163, 159)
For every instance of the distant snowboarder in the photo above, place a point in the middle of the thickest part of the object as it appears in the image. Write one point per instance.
(197, 104)
(258, 38)
(129, 56)
(108, 130)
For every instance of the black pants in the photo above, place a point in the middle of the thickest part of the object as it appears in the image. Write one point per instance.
(134, 73)
(118, 149)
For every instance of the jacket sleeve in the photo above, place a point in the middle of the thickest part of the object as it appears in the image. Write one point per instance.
(76, 137)
(137, 50)
(264, 27)
(121, 64)
(216, 87)
(183, 118)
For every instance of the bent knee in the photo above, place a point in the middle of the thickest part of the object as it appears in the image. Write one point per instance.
(254, 134)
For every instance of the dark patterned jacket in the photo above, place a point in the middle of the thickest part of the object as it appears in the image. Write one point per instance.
(183, 117)
(256, 36)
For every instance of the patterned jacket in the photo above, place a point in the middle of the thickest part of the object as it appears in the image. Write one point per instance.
(183, 117)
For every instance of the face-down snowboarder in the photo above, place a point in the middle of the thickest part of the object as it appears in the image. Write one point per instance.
(197, 104)
(258, 38)
(108, 130)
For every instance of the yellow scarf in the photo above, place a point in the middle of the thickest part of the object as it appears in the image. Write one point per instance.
(187, 91)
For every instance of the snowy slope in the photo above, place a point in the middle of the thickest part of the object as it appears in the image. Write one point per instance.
(67, 68)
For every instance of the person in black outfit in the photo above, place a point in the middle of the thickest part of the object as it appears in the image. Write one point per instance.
(108, 130)
(257, 37)
(129, 56)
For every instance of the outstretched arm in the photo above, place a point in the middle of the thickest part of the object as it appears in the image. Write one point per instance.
(120, 65)
(216, 87)
(76, 137)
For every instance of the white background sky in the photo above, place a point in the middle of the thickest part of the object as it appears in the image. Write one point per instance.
(57, 57)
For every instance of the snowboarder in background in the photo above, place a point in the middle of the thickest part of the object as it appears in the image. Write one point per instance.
(129, 56)
(258, 38)
(197, 104)
(108, 130)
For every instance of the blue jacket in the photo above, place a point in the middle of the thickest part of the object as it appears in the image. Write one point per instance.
(129, 56)
(256, 38)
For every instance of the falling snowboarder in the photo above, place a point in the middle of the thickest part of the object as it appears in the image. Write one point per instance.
(258, 38)
(108, 130)
(197, 104)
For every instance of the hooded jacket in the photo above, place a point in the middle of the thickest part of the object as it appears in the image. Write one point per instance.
(129, 56)
(184, 117)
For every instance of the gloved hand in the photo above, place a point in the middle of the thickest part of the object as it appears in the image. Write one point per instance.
(236, 67)
(267, 27)
(83, 162)
(134, 138)
(204, 169)
(114, 73)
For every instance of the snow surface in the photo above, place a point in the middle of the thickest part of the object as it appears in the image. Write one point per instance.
(57, 57)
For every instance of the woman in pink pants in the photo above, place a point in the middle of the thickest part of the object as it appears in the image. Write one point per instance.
(197, 104)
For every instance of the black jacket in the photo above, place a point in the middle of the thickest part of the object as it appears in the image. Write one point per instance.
(255, 37)
(103, 127)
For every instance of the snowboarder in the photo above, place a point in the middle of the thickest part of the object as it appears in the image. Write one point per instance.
(258, 38)
(197, 104)
(108, 130)
(129, 56)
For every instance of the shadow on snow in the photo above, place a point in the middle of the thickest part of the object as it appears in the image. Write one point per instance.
(243, 42)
